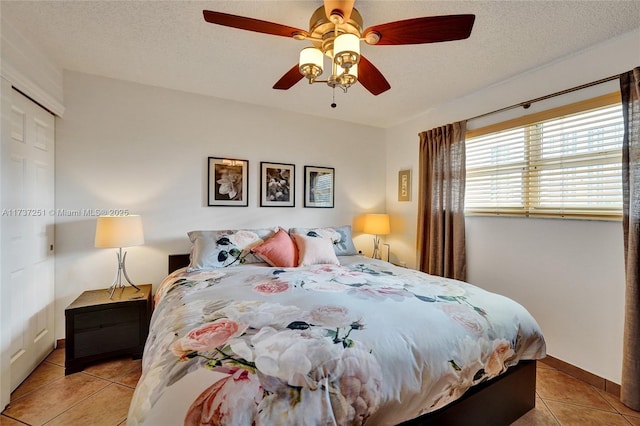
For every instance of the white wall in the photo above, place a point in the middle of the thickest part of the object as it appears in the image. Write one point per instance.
(569, 274)
(142, 148)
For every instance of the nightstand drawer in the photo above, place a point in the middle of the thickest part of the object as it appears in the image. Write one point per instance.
(106, 339)
(106, 318)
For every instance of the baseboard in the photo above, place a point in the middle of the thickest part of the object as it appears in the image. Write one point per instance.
(577, 372)
(60, 343)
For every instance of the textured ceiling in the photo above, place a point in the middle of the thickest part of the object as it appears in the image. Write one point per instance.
(168, 44)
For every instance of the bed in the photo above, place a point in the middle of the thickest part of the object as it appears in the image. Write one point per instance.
(242, 335)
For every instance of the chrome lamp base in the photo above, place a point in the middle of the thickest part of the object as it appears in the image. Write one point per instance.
(122, 270)
(376, 248)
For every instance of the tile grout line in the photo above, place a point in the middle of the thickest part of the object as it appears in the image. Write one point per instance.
(590, 407)
(607, 401)
(636, 415)
(34, 390)
(599, 392)
(551, 412)
(114, 380)
(41, 386)
(602, 394)
(16, 420)
(107, 383)
(53, 381)
(79, 402)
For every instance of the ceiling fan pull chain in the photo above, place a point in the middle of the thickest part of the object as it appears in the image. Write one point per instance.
(333, 104)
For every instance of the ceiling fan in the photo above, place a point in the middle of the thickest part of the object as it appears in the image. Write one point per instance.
(336, 29)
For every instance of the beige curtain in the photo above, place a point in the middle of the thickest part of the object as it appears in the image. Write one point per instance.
(441, 239)
(630, 88)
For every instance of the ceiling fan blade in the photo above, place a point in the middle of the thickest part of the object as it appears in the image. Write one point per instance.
(431, 29)
(288, 80)
(344, 6)
(371, 78)
(251, 24)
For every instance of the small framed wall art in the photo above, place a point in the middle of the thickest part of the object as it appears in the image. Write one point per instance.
(227, 182)
(277, 184)
(404, 185)
(319, 184)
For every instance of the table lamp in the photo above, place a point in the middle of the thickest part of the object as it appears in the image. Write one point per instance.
(118, 232)
(376, 224)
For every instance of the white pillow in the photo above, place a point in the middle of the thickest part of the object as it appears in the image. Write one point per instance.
(340, 235)
(315, 251)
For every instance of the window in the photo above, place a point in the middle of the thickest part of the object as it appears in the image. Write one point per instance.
(564, 162)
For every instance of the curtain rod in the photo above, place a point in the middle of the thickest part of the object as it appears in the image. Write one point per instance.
(527, 104)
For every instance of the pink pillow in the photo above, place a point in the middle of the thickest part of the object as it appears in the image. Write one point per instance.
(279, 250)
(315, 250)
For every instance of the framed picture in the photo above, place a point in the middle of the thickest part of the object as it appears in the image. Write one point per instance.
(277, 185)
(319, 183)
(228, 183)
(404, 185)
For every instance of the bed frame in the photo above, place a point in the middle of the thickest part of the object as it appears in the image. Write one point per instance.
(497, 402)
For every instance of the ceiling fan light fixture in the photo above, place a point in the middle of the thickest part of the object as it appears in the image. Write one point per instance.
(336, 29)
(311, 63)
(346, 49)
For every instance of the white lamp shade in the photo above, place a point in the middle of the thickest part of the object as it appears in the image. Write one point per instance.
(119, 231)
(376, 224)
(347, 45)
(311, 57)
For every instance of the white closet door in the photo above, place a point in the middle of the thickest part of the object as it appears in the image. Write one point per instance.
(28, 218)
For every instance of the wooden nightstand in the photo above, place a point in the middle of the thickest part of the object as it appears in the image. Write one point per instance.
(98, 327)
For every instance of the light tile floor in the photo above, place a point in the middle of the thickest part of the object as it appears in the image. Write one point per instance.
(566, 401)
(100, 396)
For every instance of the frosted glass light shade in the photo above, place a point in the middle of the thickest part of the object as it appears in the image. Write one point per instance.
(346, 50)
(376, 224)
(119, 231)
(353, 70)
(347, 77)
(311, 62)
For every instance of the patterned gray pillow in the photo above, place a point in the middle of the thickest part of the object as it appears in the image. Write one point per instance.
(220, 249)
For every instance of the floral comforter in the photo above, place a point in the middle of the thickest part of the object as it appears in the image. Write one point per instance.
(361, 343)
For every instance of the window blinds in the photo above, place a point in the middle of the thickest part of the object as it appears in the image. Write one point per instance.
(567, 165)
